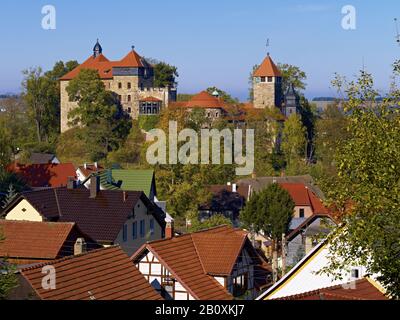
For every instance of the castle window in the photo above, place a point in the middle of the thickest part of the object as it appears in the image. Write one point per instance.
(129, 110)
(262, 79)
(129, 85)
(269, 79)
(119, 98)
(129, 98)
(119, 85)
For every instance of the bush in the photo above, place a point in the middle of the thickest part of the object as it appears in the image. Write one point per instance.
(148, 122)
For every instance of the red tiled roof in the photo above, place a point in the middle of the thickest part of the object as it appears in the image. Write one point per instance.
(44, 175)
(151, 99)
(267, 69)
(364, 290)
(192, 259)
(103, 274)
(303, 196)
(104, 66)
(201, 100)
(34, 240)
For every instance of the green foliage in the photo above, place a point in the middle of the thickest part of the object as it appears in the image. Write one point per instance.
(164, 74)
(72, 146)
(184, 97)
(368, 191)
(42, 96)
(148, 122)
(8, 279)
(214, 221)
(293, 140)
(292, 75)
(130, 152)
(9, 178)
(269, 211)
(11, 194)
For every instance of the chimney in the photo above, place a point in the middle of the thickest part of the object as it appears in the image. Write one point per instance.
(85, 165)
(253, 175)
(169, 230)
(71, 183)
(94, 186)
(95, 165)
(79, 246)
(124, 196)
(234, 187)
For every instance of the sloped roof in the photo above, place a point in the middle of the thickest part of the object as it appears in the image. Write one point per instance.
(303, 196)
(363, 290)
(41, 158)
(150, 99)
(103, 274)
(101, 218)
(104, 66)
(132, 180)
(201, 100)
(193, 258)
(33, 240)
(267, 69)
(44, 175)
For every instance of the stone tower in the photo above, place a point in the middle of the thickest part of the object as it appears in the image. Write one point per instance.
(292, 101)
(267, 85)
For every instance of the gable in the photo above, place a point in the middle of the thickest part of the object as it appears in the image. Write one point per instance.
(23, 210)
(303, 278)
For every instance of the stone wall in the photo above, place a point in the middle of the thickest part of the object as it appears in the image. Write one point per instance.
(267, 94)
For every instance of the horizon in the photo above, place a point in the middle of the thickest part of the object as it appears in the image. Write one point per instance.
(208, 48)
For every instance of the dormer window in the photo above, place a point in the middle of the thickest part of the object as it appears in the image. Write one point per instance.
(262, 79)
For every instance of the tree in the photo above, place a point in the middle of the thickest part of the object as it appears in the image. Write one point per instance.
(270, 212)
(42, 95)
(11, 194)
(292, 75)
(164, 74)
(367, 193)
(294, 140)
(8, 279)
(130, 151)
(214, 221)
(99, 112)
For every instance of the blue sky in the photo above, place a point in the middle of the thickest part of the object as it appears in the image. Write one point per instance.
(213, 43)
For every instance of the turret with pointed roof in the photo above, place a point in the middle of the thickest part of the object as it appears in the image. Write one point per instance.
(292, 101)
(97, 49)
(267, 85)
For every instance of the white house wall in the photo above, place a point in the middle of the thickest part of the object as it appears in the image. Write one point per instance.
(24, 211)
(306, 278)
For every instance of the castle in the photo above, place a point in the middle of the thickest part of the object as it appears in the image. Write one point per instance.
(132, 80)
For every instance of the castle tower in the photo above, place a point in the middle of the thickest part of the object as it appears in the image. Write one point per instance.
(267, 85)
(292, 101)
(97, 49)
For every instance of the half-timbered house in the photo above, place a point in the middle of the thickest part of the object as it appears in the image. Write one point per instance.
(213, 264)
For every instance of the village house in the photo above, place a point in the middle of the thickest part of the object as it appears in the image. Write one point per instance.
(102, 274)
(305, 277)
(49, 175)
(28, 242)
(131, 79)
(109, 217)
(214, 264)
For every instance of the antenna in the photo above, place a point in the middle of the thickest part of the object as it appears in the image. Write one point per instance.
(397, 31)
